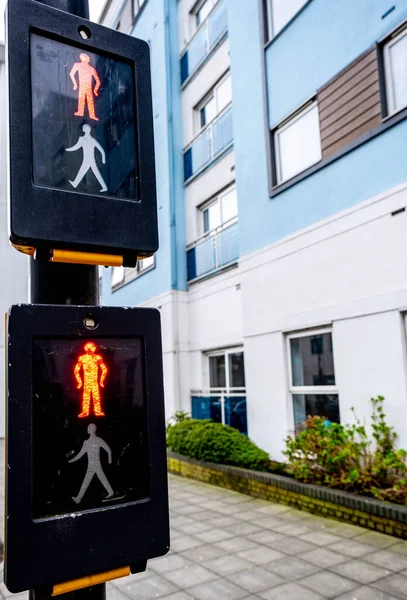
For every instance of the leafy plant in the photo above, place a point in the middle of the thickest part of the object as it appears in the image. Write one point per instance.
(345, 457)
(217, 443)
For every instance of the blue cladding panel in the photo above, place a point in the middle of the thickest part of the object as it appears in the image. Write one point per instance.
(184, 67)
(322, 40)
(369, 170)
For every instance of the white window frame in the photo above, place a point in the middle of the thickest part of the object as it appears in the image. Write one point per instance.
(317, 390)
(224, 352)
(391, 109)
(194, 12)
(270, 20)
(137, 6)
(135, 273)
(207, 204)
(297, 115)
(212, 93)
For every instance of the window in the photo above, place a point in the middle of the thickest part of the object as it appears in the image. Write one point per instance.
(214, 103)
(123, 275)
(137, 4)
(222, 211)
(225, 400)
(203, 11)
(280, 12)
(395, 65)
(117, 276)
(298, 143)
(312, 377)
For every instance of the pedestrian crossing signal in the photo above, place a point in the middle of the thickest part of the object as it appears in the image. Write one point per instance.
(86, 488)
(81, 137)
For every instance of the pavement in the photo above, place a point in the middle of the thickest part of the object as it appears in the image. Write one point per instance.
(228, 546)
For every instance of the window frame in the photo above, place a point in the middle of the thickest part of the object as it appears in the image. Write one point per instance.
(269, 20)
(208, 203)
(137, 5)
(316, 390)
(283, 126)
(388, 79)
(133, 273)
(211, 94)
(226, 352)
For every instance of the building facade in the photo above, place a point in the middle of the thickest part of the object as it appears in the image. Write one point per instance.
(280, 130)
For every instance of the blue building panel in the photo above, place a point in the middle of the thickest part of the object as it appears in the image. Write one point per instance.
(318, 43)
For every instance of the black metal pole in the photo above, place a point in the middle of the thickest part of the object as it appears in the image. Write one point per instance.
(59, 283)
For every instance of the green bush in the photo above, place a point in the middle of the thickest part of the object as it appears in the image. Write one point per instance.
(216, 443)
(345, 457)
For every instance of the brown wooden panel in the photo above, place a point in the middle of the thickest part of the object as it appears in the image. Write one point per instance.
(349, 138)
(344, 96)
(350, 118)
(369, 94)
(353, 126)
(362, 64)
(350, 104)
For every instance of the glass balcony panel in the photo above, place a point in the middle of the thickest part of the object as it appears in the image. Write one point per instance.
(197, 50)
(222, 132)
(201, 151)
(205, 256)
(228, 245)
(207, 407)
(236, 413)
(217, 24)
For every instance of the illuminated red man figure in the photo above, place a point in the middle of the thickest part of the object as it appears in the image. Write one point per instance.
(90, 363)
(86, 74)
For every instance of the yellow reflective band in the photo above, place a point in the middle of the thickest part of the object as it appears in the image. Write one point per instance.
(86, 258)
(83, 582)
(25, 249)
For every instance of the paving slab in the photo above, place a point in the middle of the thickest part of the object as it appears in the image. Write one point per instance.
(228, 546)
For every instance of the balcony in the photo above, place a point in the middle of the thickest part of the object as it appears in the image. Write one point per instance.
(227, 407)
(204, 41)
(213, 251)
(215, 139)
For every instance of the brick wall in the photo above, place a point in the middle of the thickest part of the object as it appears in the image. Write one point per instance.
(359, 510)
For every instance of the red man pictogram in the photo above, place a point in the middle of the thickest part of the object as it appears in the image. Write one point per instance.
(90, 363)
(86, 74)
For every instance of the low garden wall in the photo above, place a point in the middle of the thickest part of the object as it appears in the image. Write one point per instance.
(343, 506)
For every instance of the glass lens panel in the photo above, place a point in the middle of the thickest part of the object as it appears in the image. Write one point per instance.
(89, 424)
(83, 120)
(229, 206)
(283, 11)
(398, 62)
(324, 405)
(299, 144)
(312, 360)
(224, 94)
(236, 413)
(236, 370)
(217, 375)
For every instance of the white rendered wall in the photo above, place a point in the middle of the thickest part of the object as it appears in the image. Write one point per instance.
(349, 272)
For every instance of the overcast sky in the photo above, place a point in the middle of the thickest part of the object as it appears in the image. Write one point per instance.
(95, 6)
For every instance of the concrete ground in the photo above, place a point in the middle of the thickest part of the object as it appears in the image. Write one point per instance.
(227, 546)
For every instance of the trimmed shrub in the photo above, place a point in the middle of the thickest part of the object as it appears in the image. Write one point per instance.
(213, 442)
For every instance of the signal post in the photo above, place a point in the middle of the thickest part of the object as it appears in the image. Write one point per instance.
(86, 480)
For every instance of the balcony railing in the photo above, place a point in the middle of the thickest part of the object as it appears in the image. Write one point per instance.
(214, 250)
(209, 144)
(203, 42)
(223, 406)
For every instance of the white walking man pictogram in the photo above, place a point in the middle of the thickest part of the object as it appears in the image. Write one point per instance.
(92, 447)
(88, 145)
